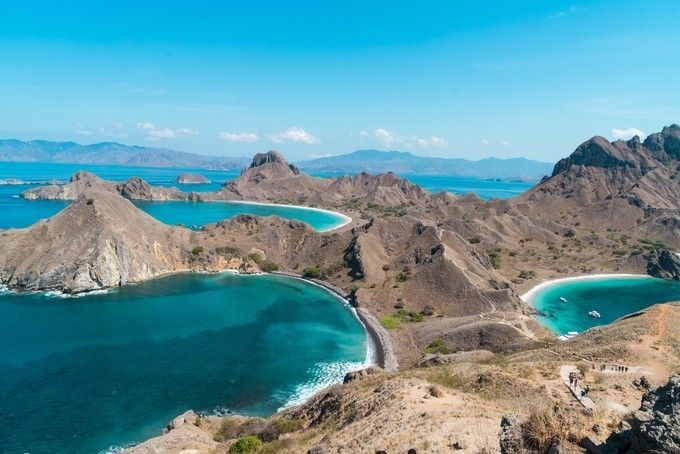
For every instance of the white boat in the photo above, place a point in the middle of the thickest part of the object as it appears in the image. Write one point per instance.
(594, 314)
(563, 299)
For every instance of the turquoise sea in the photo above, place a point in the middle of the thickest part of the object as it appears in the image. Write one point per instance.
(80, 375)
(17, 212)
(611, 297)
(197, 214)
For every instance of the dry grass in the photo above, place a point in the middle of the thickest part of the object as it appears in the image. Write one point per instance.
(544, 427)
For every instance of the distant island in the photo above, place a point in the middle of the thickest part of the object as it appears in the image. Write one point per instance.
(112, 153)
(405, 163)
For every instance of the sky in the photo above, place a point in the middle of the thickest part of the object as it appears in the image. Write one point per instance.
(312, 79)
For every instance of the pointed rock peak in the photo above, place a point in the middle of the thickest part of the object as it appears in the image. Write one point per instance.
(272, 157)
(83, 175)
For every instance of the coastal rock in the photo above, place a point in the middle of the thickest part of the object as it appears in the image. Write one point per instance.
(359, 374)
(665, 265)
(192, 178)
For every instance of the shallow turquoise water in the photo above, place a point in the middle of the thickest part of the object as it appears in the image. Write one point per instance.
(198, 214)
(611, 297)
(83, 374)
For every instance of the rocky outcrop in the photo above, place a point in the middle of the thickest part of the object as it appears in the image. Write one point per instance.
(192, 178)
(643, 174)
(655, 427)
(511, 439)
(275, 159)
(134, 189)
(664, 264)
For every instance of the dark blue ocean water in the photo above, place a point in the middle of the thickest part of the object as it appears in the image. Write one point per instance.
(611, 297)
(79, 375)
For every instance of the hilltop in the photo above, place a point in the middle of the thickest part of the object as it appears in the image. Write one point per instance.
(405, 163)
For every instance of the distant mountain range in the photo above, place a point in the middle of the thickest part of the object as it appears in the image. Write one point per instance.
(112, 153)
(371, 161)
(404, 163)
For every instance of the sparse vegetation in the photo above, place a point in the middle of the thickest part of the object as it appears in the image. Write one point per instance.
(393, 321)
(543, 428)
(247, 444)
(313, 272)
(265, 265)
(475, 240)
(495, 258)
(527, 274)
(438, 346)
(227, 250)
(197, 250)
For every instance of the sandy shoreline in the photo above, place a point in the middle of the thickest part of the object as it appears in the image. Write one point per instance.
(529, 295)
(345, 219)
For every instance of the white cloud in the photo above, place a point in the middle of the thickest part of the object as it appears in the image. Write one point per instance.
(626, 134)
(295, 134)
(485, 142)
(433, 141)
(504, 143)
(238, 137)
(154, 132)
(363, 133)
(387, 137)
(113, 130)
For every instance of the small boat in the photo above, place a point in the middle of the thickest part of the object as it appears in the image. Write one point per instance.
(594, 314)
(563, 299)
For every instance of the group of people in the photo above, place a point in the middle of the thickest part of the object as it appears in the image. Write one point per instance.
(614, 367)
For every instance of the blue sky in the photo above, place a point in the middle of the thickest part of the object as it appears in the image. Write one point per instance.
(310, 78)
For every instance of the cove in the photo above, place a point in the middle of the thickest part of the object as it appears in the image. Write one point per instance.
(611, 295)
(84, 374)
(197, 214)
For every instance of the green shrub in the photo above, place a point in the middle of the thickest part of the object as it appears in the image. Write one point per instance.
(390, 321)
(198, 250)
(227, 250)
(437, 347)
(90, 201)
(527, 274)
(313, 272)
(401, 277)
(474, 240)
(287, 425)
(247, 444)
(495, 259)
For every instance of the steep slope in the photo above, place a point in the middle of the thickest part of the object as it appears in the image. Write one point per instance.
(101, 240)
